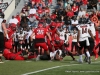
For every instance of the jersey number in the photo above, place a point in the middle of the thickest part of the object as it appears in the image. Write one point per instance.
(40, 31)
(84, 30)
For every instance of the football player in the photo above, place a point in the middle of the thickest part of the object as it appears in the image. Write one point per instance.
(82, 40)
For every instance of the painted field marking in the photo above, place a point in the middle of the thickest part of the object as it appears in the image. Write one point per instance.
(53, 68)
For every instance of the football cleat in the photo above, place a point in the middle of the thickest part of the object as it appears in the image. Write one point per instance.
(80, 60)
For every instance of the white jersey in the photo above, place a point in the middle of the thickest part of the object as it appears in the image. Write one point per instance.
(14, 20)
(15, 36)
(74, 37)
(28, 34)
(62, 33)
(83, 28)
(1, 25)
(92, 28)
(24, 32)
(20, 36)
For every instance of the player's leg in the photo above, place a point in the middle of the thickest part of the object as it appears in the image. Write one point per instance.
(1, 46)
(72, 46)
(91, 47)
(80, 52)
(87, 53)
(68, 51)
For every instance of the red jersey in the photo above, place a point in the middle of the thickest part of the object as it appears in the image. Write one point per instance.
(50, 1)
(12, 56)
(37, 1)
(40, 11)
(85, 2)
(24, 9)
(70, 13)
(18, 18)
(75, 8)
(53, 16)
(40, 33)
(52, 33)
(47, 10)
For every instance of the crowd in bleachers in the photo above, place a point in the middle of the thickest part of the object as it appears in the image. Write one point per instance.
(65, 15)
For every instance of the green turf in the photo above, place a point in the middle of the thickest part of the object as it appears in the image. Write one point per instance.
(22, 67)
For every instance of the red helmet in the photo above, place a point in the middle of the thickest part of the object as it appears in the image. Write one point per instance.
(40, 25)
(52, 25)
(8, 45)
(13, 25)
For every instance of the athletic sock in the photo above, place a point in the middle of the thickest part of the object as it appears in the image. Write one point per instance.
(88, 54)
(81, 58)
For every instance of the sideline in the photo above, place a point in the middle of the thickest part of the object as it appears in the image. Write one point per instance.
(53, 68)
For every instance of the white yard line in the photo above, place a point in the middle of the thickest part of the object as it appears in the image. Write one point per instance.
(52, 68)
(47, 69)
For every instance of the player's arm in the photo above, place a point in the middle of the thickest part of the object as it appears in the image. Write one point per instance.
(78, 36)
(57, 33)
(5, 30)
(48, 36)
(68, 39)
(97, 28)
(33, 34)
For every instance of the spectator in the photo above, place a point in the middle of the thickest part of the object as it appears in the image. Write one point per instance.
(32, 20)
(18, 18)
(93, 4)
(75, 9)
(78, 2)
(98, 5)
(24, 22)
(81, 13)
(70, 13)
(1, 13)
(68, 7)
(25, 10)
(70, 2)
(13, 20)
(68, 23)
(40, 11)
(32, 10)
(84, 4)
(74, 23)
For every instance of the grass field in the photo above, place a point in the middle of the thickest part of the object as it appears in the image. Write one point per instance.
(64, 67)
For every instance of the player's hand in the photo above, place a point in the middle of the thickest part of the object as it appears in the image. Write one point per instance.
(78, 45)
(7, 37)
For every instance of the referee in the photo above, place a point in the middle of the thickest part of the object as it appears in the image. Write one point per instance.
(3, 31)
